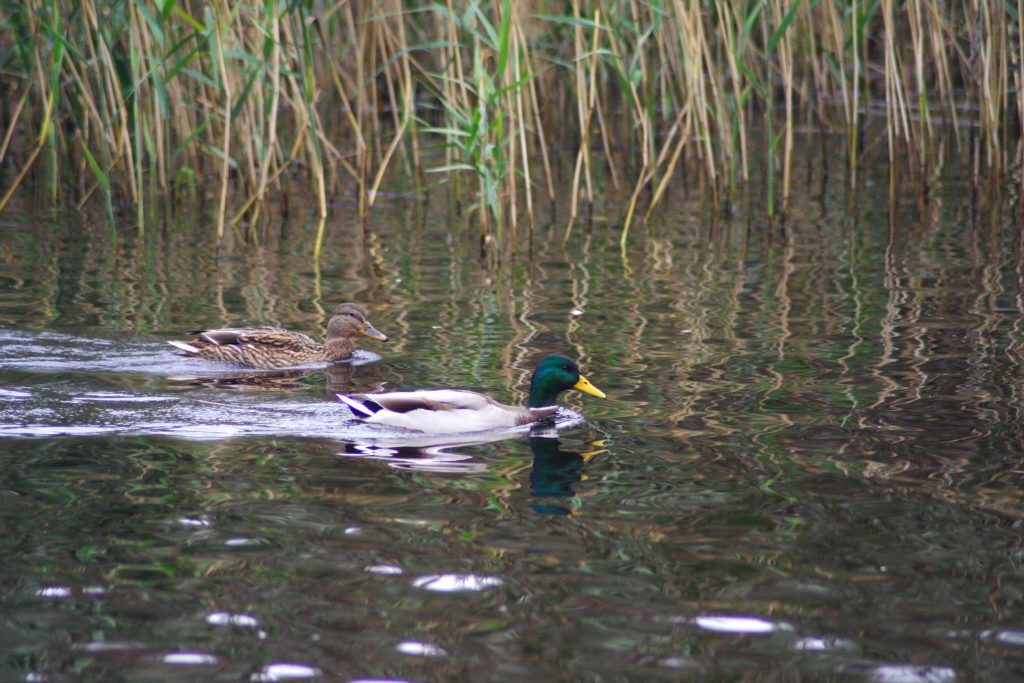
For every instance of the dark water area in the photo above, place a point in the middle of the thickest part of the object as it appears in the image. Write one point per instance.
(808, 466)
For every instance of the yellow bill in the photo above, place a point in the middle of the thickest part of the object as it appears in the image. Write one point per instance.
(586, 387)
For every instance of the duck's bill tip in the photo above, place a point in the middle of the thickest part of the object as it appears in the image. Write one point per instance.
(373, 333)
(586, 387)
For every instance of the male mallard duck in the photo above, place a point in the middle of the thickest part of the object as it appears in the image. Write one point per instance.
(449, 411)
(274, 347)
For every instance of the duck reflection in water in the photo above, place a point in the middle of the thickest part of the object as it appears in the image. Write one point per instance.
(255, 380)
(420, 457)
(555, 471)
(554, 474)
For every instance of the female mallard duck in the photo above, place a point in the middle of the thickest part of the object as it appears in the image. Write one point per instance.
(274, 347)
(449, 411)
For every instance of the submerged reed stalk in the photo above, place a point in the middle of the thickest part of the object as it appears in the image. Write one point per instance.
(136, 98)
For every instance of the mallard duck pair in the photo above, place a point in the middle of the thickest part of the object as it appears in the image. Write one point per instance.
(275, 347)
(434, 411)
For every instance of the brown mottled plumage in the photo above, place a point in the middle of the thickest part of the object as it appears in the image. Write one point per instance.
(274, 347)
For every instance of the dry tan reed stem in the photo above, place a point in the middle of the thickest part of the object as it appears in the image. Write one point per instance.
(941, 36)
(318, 172)
(993, 81)
(226, 139)
(1019, 77)
(591, 104)
(585, 112)
(606, 144)
(683, 139)
(15, 116)
(854, 129)
(538, 120)
(399, 46)
(729, 39)
(894, 100)
(917, 41)
(694, 48)
(354, 128)
(518, 42)
(598, 112)
(785, 47)
(358, 40)
(44, 133)
(455, 90)
(119, 135)
(271, 146)
(270, 149)
(150, 117)
(577, 40)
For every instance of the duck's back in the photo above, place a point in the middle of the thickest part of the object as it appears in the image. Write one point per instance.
(260, 347)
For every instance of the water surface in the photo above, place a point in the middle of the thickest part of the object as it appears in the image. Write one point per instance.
(807, 468)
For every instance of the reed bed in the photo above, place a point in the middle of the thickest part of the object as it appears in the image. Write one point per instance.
(137, 100)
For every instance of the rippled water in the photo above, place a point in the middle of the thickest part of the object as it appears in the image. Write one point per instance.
(807, 468)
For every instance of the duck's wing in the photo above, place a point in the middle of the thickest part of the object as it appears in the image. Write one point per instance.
(254, 336)
(437, 400)
(283, 343)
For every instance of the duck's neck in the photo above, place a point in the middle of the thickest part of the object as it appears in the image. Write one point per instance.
(337, 328)
(542, 393)
(340, 346)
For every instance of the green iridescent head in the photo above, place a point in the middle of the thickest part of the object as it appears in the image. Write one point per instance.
(554, 375)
